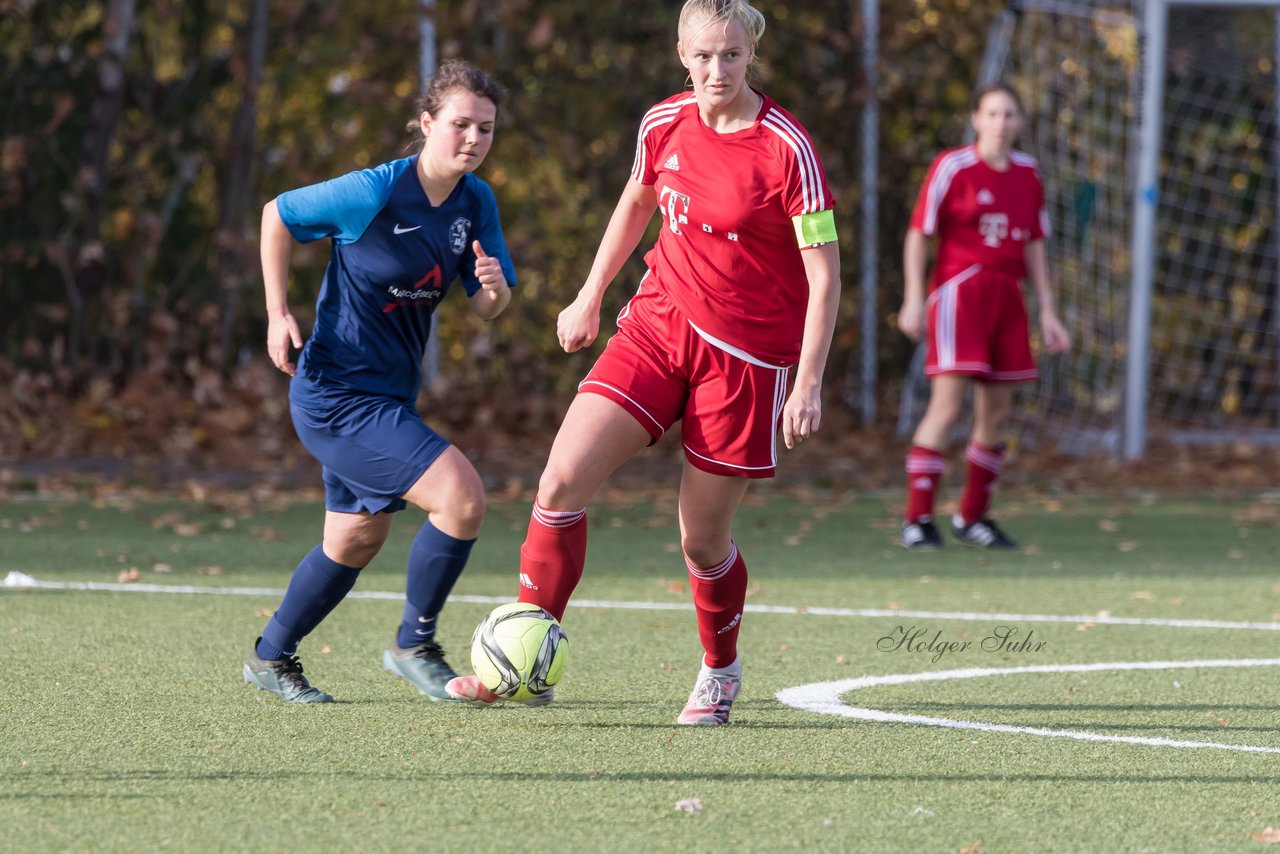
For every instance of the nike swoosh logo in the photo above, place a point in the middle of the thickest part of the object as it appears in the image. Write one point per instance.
(399, 230)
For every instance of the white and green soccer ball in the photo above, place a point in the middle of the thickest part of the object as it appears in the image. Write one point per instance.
(519, 651)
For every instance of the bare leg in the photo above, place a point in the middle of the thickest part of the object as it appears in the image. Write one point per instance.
(992, 403)
(353, 539)
(595, 438)
(945, 402)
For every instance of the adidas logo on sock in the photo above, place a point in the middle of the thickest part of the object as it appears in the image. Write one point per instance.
(737, 618)
(526, 581)
(673, 163)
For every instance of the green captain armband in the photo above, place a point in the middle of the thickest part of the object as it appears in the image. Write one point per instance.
(814, 228)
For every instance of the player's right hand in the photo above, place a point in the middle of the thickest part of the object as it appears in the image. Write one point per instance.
(281, 332)
(578, 325)
(911, 320)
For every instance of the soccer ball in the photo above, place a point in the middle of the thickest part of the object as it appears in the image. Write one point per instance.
(519, 651)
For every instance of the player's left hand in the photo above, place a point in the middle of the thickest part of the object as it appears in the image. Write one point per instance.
(1056, 339)
(488, 270)
(801, 416)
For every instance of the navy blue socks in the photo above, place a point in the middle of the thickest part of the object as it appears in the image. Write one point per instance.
(316, 588)
(435, 562)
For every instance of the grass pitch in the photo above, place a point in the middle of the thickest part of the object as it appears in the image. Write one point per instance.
(126, 725)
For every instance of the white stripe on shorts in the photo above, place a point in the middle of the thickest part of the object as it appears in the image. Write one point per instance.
(944, 337)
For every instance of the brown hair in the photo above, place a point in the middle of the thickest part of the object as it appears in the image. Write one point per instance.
(452, 75)
(997, 86)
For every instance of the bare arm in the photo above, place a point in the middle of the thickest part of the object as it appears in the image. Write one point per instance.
(802, 413)
(494, 294)
(1056, 339)
(579, 323)
(275, 247)
(915, 256)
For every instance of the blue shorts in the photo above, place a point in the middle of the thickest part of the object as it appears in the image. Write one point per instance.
(373, 450)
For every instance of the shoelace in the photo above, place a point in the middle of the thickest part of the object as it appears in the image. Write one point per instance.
(290, 669)
(429, 651)
(709, 691)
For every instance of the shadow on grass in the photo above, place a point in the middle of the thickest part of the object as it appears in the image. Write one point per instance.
(474, 775)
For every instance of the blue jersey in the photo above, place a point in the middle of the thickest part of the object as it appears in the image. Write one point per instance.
(394, 256)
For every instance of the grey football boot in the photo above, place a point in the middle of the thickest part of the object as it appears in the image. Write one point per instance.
(423, 666)
(282, 677)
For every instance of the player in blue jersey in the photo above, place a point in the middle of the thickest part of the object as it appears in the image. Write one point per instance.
(400, 234)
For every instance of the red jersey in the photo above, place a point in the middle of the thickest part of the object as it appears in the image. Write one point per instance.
(727, 253)
(981, 216)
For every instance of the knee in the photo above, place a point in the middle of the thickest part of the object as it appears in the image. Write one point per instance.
(991, 417)
(989, 426)
(702, 550)
(943, 410)
(556, 490)
(453, 500)
(470, 508)
(463, 507)
(355, 549)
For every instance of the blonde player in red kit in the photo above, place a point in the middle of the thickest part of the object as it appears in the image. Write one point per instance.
(742, 287)
(985, 205)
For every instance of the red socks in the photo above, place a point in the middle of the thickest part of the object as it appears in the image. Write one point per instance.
(981, 471)
(552, 557)
(924, 470)
(719, 595)
(555, 551)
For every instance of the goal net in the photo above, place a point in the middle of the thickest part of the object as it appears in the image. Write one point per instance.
(1213, 367)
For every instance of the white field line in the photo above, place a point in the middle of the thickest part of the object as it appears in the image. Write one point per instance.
(25, 582)
(824, 698)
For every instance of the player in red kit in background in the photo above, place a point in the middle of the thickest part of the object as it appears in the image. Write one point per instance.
(985, 205)
(742, 286)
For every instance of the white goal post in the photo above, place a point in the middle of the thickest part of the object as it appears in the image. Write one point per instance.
(1146, 197)
(1156, 124)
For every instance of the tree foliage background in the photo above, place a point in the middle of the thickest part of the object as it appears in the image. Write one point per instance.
(140, 138)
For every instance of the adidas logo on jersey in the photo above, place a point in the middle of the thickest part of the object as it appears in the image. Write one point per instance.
(673, 163)
(985, 197)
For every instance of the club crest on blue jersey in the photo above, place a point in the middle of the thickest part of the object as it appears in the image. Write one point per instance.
(458, 234)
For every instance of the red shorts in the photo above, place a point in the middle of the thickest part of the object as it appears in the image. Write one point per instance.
(658, 368)
(978, 327)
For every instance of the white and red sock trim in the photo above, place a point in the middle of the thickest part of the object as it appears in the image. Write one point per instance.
(992, 461)
(720, 570)
(557, 518)
(925, 465)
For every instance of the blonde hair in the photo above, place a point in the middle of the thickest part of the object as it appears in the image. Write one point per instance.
(721, 12)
